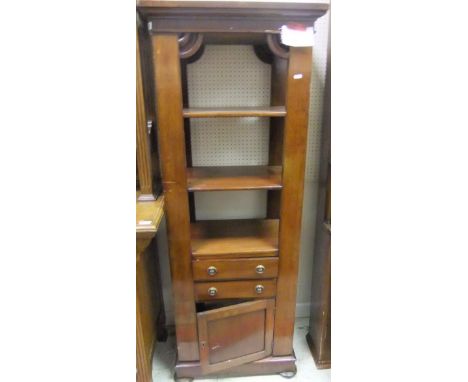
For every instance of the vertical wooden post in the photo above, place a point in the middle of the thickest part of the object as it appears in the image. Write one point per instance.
(279, 71)
(143, 151)
(294, 155)
(173, 165)
(187, 130)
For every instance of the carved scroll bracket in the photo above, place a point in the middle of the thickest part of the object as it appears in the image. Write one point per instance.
(276, 47)
(189, 44)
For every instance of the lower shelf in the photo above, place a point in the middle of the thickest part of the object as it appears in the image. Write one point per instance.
(235, 238)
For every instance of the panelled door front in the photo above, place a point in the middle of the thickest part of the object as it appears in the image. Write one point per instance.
(235, 335)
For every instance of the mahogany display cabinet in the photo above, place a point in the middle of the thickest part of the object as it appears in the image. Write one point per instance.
(234, 281)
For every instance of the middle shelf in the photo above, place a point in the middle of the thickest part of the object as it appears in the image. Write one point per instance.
(213, 112)
(234, 178)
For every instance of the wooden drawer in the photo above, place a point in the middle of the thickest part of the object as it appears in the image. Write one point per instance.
(235, 289)
(258, 268)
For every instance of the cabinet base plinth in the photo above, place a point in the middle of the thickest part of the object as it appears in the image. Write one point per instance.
(270, 365)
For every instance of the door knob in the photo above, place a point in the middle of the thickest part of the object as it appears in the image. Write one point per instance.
(212, 291)
(259, 289)
(212, 271)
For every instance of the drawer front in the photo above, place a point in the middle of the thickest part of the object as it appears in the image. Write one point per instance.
(258, 268)
(218, 290)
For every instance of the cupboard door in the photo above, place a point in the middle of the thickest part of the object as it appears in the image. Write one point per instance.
(234, 335)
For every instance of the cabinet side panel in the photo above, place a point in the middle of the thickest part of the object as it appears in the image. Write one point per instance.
(173, 165)
(294, 155)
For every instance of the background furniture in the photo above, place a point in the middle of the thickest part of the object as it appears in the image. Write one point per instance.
(319, 335)
(150, 315)
(148, 173)
(234, 282)
(150, 324)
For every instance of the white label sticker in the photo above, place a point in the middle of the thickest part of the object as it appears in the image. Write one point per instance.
(297, 76)
(144, 222)
(297, 35)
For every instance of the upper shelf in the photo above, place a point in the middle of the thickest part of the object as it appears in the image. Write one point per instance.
(234, 178)
(266, 111)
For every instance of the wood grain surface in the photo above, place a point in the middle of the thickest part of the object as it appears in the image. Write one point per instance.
(230, 269)
(294, 155)
(235, 238)
(266, 111)
(235, 335)
(171, 130)
(234, 178)
(235, 289)
(148, 216)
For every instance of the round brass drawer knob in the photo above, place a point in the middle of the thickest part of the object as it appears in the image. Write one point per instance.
(260, 269)
(212, 291)
(212, 271)
(259, 289)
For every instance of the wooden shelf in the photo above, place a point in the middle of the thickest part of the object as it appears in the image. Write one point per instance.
(234, 178)
(235, 238)
(266, 111)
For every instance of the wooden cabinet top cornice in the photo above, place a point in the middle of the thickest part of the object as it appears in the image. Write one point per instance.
(178, 16)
